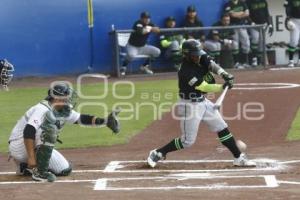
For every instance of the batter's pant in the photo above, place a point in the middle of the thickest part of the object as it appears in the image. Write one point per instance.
(241, 37)
(192, 114)
(295, 34)
(57, 165)
(148, 50)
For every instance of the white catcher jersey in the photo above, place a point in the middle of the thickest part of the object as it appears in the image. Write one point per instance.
(35, 117)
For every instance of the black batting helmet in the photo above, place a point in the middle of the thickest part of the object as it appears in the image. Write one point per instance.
(192, 48)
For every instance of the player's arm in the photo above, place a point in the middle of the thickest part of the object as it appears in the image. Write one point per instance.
(164, 42)
(206, 87)
(90, 120)
(287, 5)
(29, 141)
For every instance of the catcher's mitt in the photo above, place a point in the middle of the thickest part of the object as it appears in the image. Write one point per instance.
(113, 122)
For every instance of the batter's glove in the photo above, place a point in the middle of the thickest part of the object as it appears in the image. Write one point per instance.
(113, 122)
(229, 79)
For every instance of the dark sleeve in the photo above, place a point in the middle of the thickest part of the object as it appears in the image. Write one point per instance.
(205, 61)
(29, 132)
(88, 120)
(138, 27)
(200, 24)
(227, 8)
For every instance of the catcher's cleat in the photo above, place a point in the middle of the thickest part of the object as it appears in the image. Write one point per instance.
(22, 170)
(243, 161)
(43, 177)
(154, 157)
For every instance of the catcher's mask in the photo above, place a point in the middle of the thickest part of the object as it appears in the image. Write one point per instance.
(6, 73)
(192, 50)
(65, 95)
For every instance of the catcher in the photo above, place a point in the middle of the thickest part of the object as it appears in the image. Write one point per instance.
(33, 138)
(194, 81)
(6, 73)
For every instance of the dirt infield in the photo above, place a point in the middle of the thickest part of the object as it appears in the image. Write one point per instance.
(201, 172)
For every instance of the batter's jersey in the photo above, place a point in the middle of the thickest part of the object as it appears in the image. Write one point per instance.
(259, 12)
(292, 8)
(191, 75)
(137, 38)
(239, 7)
(35, 117)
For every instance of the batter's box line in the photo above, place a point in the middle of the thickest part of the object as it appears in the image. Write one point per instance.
(101, 184)
(116, 166)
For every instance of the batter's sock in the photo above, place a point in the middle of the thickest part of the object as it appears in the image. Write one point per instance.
(174, 145)
(227, 139)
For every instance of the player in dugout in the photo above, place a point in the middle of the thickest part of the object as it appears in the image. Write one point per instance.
(137, 44)
(192, 20)
(219, 40)
(172, 43)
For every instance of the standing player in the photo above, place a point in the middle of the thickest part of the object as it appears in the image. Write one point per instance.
(172, 42)
(192, 20)
(33, 138)
(194, 107)
(239, 14)
(222, 39)
(6, 73)
(137, 44)
(292, 23)
(259, 14)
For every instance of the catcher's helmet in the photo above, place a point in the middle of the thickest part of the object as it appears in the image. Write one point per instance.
(192, 47)
(64, 91)
(6, 73)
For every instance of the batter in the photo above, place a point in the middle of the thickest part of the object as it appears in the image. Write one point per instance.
(195, 108)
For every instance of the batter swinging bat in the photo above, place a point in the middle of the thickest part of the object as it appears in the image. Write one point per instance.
(221, 99)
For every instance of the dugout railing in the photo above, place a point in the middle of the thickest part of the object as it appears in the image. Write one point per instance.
(117, 49)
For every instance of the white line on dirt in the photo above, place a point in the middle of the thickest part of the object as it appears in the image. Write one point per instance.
(289, 182)
(100, 184)
(290, 162)
(271, 181)
(112, 166)
(35, 182)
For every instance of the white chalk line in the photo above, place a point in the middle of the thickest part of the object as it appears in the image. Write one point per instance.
(112, 166)
(289, 182)
(262, 86)
(284, 68)
(35, 182)
(101, 184)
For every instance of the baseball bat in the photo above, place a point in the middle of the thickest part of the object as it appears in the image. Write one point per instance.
(221, 99)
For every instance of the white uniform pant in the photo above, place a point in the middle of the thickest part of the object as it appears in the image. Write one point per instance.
(256, 39)
(192, 114)
(57, 164)
(148, 50)
(295, 34)
(241, 37)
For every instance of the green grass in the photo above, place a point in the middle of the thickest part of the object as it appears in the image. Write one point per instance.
(15, 103)
(294, 132)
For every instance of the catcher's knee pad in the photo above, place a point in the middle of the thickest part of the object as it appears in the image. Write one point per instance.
(65, 172)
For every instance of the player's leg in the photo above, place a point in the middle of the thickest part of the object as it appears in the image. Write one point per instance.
(59, 165)
(190, 118)
(216, 123)
(132, 52)
(245, 46)
(151, 51)
(18, 153)
(236, 39)
(255, 40)
(214, 49)
(294, 40)
(234, 47)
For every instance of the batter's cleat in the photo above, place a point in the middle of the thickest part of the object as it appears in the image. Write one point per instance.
(154, 157)
(43, 177)
(291, 63)
(243, 161)
(145, 69)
